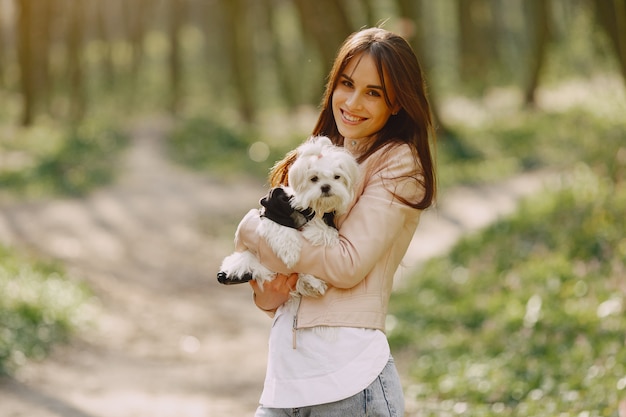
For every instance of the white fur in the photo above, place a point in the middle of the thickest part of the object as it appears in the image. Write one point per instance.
(321, 178)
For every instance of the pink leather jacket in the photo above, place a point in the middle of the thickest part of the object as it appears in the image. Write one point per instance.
(374, 236)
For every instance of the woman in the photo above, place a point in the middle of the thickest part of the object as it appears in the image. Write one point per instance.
(374, 105)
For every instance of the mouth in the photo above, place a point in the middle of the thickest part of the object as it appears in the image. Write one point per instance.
(351, 118)
(326, 203)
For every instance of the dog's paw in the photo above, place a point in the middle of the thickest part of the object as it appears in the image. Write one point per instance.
(241, 267)
(309, 286)
(224, 278)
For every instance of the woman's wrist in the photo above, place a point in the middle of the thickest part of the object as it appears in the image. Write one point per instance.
(274, 293)
(261, 307)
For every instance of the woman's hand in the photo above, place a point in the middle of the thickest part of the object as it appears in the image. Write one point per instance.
(274, 293)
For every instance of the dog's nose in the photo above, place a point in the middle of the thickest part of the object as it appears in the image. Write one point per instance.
(325, 188)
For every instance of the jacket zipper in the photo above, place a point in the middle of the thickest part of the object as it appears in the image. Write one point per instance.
(295, 324)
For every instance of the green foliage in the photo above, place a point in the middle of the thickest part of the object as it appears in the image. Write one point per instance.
(39, 307)
(528, 316)
(530, 140)
(204, 144)
(85, 157)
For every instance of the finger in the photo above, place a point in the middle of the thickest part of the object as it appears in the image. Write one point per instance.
(291, 280)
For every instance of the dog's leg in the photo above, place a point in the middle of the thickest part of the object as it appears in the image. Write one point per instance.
(320, 234)
(241, 267)
(310, 286)
(284, 241)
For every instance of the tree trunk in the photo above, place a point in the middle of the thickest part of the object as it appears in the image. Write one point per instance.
(412, 11)
(135, 14)
(176, 18)
(238, 47)
(474, 22)
(3, 48)
(25, 58)
(44, 19)
(539, 15)
(612, 17)
(102, 33)
(75, 68)
(327, 24)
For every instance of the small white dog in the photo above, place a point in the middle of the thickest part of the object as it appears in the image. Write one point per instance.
(321, 186)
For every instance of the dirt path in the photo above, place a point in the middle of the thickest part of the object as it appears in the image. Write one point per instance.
(169, 341)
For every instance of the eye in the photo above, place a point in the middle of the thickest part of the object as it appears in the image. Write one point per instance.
(337, 177)
(314, 179)
(347, 83)
(373, 93)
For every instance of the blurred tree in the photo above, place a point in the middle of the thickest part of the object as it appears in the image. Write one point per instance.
(3, 47)
(252, 47)
(102, 32)
(370, 17)
(283, 69)
(25, 60)
(75, 70)
(136, 14)
(475, 57)
(612, 17)
(413, 30)
(327, 24)
(177, 9)
(238, 47)
(42, 37)
(539, 22)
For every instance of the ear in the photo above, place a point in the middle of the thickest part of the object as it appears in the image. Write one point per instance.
(296, 174)
(351, 170)
(322, 140)
(396, 109)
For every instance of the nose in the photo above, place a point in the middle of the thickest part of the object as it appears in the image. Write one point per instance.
(353, 101)
(325, 188)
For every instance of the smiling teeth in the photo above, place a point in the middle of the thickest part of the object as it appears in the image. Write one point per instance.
(351, 118)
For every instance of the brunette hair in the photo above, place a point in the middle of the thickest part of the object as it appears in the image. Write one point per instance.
(412, 125)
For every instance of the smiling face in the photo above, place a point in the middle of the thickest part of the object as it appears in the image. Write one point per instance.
(359, 105)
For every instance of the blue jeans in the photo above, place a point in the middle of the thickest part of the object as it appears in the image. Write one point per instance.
(383, 398)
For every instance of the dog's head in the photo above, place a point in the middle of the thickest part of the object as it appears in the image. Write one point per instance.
(323, 177)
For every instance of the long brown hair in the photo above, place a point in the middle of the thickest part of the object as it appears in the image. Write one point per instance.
(412, 125)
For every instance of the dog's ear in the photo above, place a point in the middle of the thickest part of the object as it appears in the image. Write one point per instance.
(297, 171)
(322, 140)
(351, 169)
(314, 146)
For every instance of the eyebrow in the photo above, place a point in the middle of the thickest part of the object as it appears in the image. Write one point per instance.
(376, 87)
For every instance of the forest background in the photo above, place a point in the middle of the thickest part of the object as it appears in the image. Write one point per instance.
(516, 86)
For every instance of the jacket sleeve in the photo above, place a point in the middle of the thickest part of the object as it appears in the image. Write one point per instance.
(366, 233)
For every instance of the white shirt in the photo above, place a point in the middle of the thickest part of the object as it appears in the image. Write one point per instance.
(328, 364)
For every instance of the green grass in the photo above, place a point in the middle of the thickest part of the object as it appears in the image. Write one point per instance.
(527, 141)
(57, 161)
(528, 317)
(39, 307)
(208, 145)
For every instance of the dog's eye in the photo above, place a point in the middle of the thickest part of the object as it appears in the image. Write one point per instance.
(314, 179)
(337, 177)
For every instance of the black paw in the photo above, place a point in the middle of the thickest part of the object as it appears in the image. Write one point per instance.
(222, 278)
